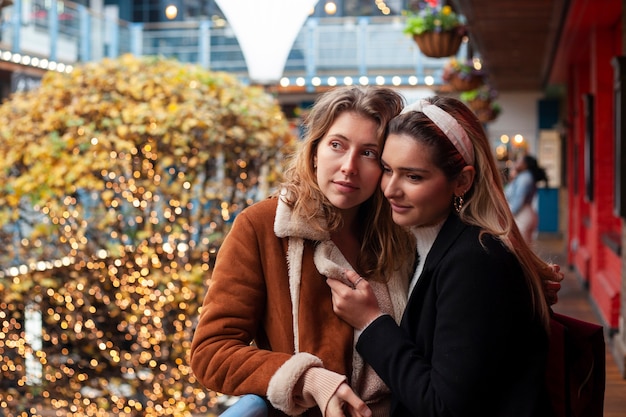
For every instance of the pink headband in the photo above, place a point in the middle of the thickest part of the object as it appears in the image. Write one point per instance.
(448, 124)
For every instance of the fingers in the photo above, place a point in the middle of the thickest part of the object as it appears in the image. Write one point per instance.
(355, 283)
(558, 275)
(353, 278)
(552, 293)
(553, 285)
(352, 403)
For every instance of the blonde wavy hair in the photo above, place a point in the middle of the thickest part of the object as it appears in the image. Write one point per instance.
(485, 204)
(385, 247)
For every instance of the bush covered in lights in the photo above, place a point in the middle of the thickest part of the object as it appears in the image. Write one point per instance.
(117, 183)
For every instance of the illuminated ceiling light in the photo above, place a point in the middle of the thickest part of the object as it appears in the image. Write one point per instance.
(504, 138)
(284, 82)
(332, 81)
(363, 80)
(171, 12)
(396, 80)
(316, 81)
(380, 80)
(265, 51)
(300, 82)
(413, 80)
(330, 7)
(347, 80)
(518, 139)
(429, 80)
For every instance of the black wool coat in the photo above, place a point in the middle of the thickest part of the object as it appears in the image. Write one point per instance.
(469, 343)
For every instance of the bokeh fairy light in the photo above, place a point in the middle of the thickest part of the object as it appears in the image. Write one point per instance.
(111, 218)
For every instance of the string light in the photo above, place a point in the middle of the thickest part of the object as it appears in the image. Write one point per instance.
(330, 7)
(171, 11)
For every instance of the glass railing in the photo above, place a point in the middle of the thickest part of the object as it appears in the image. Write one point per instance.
(372, 47)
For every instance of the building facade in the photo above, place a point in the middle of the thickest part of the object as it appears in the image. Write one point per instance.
(585, 138)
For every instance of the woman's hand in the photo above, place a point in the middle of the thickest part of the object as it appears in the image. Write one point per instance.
(345, 402)
(553, 286)
(357, 304)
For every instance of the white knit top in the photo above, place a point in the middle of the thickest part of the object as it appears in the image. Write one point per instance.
(425, 237)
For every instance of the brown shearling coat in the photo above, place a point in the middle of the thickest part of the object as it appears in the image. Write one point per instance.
(266, 260)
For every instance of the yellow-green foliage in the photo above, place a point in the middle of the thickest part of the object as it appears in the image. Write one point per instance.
(117, 183)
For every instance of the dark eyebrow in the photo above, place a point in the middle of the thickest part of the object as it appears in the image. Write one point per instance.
(405, 169)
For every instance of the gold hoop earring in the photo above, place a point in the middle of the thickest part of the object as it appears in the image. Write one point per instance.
(458, 203)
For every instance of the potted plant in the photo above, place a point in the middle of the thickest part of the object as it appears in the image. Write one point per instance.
(437, 30)
(463, 75)
(479, 98)
(489, 114)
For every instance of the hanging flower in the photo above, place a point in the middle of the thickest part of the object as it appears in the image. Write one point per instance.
(463, 75)
(485, 93)
(430, 17)
(464, 69)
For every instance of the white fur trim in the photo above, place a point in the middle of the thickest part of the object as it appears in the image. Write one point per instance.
(280, 389)
(294, 262)
(330, 262)
(296, 229)
(286, 225)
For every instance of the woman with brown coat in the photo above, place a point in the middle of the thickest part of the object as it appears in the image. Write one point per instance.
(269, 281)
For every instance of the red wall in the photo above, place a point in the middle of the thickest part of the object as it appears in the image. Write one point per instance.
(591, 222)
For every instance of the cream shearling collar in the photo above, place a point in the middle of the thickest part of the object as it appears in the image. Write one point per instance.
(328, 259)
(287, 225)
(331, 263)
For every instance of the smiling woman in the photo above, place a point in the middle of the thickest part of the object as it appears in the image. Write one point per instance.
(417, 190)
(476, 299)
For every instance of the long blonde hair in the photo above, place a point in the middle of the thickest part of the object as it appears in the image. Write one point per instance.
(385, 247)
(485, 204)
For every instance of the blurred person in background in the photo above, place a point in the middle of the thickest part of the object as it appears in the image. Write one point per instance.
(521, 192)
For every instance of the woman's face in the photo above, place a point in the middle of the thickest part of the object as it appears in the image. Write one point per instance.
(348, 161)
(418, 191)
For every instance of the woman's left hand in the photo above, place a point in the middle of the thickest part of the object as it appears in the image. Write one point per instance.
(553, 286)
(356, 304)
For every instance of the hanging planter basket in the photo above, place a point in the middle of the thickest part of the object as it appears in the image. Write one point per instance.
(465, 83)
(439, 44)
(479, 104)
(488, 114)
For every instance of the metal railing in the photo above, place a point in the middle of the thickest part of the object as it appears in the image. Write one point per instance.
(325, 52)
